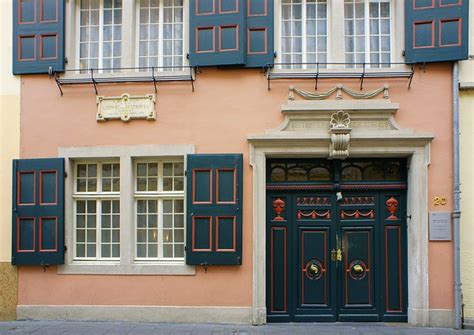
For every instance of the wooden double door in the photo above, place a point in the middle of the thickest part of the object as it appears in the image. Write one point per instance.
(336, 256)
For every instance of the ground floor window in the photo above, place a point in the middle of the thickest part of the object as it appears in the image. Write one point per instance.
(159, 210)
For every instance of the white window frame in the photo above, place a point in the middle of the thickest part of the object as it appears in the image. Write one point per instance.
(160, 34)
(98, 196)
(367, 35)
(160, 195)
(335, 33)
(304, 32)
(130, 26)
(127, 155)
(101, 35)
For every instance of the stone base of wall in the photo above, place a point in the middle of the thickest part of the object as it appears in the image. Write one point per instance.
(468, 323)
(173, 314)
(9, 290)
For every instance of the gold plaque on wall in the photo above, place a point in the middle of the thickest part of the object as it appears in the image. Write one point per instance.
(126, 107)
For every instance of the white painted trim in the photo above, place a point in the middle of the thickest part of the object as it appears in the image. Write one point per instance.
(172, 314)
(127, 265)
(367, 142)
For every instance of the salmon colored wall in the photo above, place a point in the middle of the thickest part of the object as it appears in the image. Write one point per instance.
(227, 106)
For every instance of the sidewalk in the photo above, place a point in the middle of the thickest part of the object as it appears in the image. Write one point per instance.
(140, 328)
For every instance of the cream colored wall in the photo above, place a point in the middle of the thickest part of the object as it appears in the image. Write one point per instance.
(9, 149)
(466, 106)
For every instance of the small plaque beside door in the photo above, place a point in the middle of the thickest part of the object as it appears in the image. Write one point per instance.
(440, 226)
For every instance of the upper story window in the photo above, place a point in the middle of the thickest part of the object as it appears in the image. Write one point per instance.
(335, 32)
(112, 34)
(304, 37)
(100, 42)
(160, 33)
(367, 32)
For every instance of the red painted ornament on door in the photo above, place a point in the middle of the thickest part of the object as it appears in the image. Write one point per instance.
(392, 206)
(278, 207)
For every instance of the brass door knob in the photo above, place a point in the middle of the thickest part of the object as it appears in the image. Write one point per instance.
(314, 270)
(358, 269)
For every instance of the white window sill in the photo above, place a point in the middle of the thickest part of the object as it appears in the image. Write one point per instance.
(126, 73)
(97, 268)
(341, 69)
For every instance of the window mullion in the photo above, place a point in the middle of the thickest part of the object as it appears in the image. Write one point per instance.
(303, 33)
(160, 34)
(98, 225)
(160, 229)
(101, 37)
(367, 30)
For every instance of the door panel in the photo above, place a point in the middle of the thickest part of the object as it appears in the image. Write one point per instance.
(314, 268)
(278, 269)
(278, 260)
(358, 277)
(308, 281)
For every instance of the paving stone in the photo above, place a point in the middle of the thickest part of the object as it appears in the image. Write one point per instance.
(143, 328)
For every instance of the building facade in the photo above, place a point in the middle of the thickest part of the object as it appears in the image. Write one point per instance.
(9, 149)
(466, 106)
(236, 161)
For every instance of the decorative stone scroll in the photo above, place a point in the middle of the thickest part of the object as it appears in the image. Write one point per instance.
(126, 107)
(340, 135)
(339, 88)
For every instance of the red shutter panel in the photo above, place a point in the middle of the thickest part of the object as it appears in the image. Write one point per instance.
(436, 30)
(38, 212)
(38, 36)
(214, 209)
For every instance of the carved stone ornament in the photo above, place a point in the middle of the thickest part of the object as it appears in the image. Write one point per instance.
(126, 107)
(340, 135)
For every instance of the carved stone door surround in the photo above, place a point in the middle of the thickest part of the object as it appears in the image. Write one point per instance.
(307, 131)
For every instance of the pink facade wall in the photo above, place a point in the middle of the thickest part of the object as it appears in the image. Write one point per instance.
(227, 106)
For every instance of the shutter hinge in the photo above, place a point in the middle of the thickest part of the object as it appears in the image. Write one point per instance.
(65, 248)
(185, 173)
(205, 266)
(65, 174)
(45, 266)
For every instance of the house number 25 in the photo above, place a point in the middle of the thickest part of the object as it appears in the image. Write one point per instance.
(439, 201)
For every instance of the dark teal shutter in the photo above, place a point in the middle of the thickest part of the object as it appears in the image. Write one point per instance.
(259, 33)
(436, 30)
(38, 212)
(214, 209)
(216, 33)
(38, 36)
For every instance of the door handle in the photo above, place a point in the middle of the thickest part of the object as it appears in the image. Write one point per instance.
(336, 255)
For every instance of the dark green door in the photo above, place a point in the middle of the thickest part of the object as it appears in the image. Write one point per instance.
(336, 252)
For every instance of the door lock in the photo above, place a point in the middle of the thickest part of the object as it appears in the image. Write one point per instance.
(336, 255)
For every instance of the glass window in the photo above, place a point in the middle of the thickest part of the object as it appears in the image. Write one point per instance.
(304, 31)
(159, 210)
(160, 33)
(367, 32)
(97, 211)
(100, 30)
